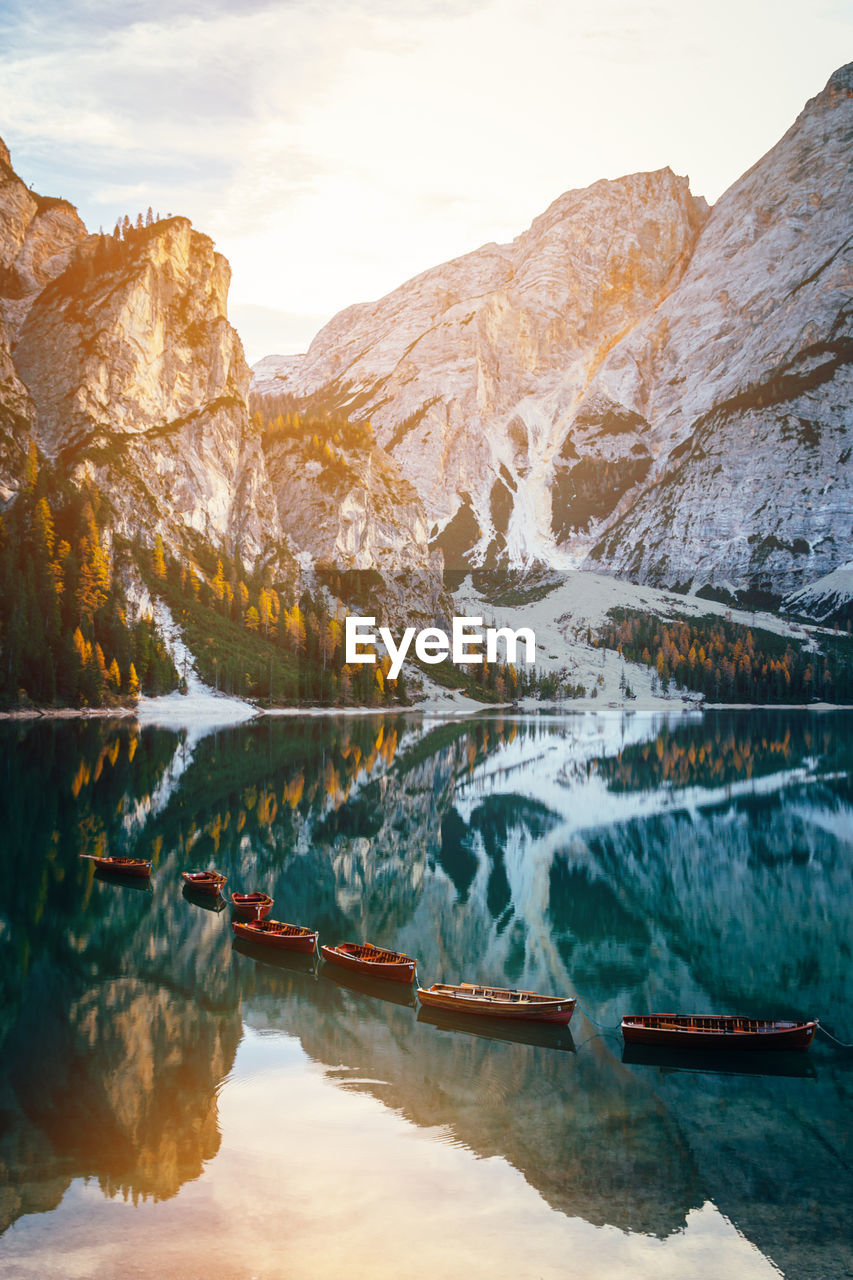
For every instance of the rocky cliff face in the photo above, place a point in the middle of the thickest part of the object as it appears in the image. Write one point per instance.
(470, 372)
(744, 375)
(631, 382)
(347, 504)
(117, 357)
(140, 383)
(37, 240)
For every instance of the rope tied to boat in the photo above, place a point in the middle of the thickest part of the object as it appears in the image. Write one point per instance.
(841, 1043)
(616, 1026)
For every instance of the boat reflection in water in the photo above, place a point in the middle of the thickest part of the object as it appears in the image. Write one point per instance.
(377, 988)
(142, 884)
(203, 900)
(721, 1062)
(539, 1034)
(288, 961)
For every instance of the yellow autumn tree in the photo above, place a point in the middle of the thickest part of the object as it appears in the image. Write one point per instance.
(45, 535)
(31, 468)
(158, 560)
(264, 610)
(217, 586)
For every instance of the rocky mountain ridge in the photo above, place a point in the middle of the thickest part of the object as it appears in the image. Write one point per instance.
(37, 241)
(118, 362)
(636, 383)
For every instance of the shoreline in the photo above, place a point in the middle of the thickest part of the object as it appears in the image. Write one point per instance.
(567, 707)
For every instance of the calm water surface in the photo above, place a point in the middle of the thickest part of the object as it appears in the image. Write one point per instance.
(170, 1105)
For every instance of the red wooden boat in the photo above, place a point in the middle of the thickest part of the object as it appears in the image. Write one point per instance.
(251, 906)
(210, 883)
(498, 1002)
(275, 933)
(716, 1031)
(124, 866)
(373, 962)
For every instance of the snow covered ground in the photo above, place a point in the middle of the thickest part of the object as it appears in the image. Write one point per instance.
(580, 603)
(201, 709)
(560, 620)
(825, 595)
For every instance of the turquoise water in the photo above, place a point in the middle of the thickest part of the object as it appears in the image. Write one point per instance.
(169, 1104)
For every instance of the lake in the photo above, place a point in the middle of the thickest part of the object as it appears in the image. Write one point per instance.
(173, 1104)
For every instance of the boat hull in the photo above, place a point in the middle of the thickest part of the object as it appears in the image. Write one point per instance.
(387, 971)
(558, 1011)
(138, 869)
(205, 886)
(717, 1033)
(303, 943)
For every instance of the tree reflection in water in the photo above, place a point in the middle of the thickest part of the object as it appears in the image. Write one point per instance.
(694, 863)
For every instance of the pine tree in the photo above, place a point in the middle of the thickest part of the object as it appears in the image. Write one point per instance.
(218, 584)
(31, 468)
(159, 558)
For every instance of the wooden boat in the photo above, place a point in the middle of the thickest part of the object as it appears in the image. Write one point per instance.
(251, 906)
(275, 933)
(498, 1002)
(120, 866)
(715, 1031)
(209, 883)
(373, 962)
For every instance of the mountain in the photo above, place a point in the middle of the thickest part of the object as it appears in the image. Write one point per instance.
(38, 238)
(750, 368)
(344, 502)
(829, 599)
(635, 383)
(117, 359)
(468, 371)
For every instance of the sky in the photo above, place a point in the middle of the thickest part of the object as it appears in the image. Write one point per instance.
(335, 148)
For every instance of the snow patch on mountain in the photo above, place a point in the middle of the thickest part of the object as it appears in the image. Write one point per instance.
(825, 597)
(201, 709)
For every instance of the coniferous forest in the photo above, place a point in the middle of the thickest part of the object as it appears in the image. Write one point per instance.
(65, 638)
(728, 662)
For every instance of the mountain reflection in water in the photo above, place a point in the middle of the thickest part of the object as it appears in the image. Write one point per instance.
(697, 863)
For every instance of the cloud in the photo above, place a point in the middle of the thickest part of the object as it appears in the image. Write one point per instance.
(336, 147)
